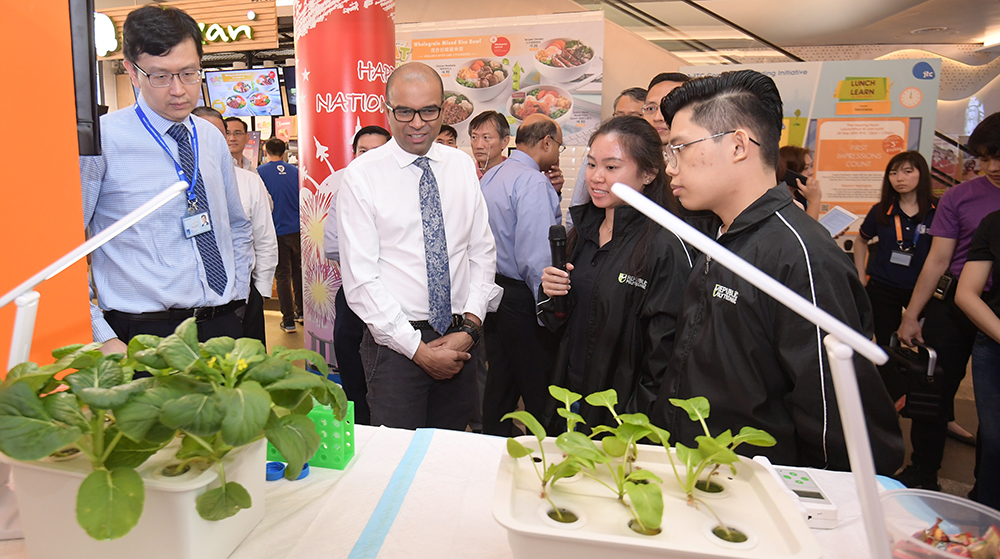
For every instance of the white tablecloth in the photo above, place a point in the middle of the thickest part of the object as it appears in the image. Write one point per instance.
(445, 513)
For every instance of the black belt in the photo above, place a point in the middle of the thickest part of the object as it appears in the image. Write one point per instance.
(201, 314)
(456, 321)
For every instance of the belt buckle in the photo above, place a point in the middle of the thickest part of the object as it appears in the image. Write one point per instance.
(203, 314)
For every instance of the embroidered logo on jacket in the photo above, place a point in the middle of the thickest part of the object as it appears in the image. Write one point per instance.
(723, 292)
(632, 280)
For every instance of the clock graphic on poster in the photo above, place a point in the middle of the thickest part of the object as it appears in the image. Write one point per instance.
(911, 97)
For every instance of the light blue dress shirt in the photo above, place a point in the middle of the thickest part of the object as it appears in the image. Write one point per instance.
(152, 266)
(522, 205)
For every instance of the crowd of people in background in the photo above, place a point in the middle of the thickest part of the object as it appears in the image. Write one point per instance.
(452, 312)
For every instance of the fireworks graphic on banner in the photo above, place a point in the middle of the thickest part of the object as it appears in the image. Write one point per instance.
(320, 282)
(313, 208)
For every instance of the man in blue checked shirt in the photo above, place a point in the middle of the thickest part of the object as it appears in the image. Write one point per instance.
(192, 257)
(522, 205)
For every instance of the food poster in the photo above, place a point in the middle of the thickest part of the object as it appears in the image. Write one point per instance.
(854, 116)
(245, 92)
(553, 66)
(264, 126)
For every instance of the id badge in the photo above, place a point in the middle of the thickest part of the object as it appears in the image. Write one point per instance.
(196, 224)
(901, 258)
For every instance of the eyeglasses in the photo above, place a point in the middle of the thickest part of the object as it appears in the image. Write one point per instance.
(236, 133)
(671, 151)
(562, 148)
(187, 77)
(406, 114)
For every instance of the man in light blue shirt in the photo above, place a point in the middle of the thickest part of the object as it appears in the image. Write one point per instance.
(522, 205)
(153, 276)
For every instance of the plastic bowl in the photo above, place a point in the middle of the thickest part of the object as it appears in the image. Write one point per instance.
(461, 126)
(516, 96)
(560, 75)
(478, 94)
(909, 511)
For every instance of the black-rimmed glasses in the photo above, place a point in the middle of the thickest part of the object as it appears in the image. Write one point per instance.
(406, 114)
(163, 79)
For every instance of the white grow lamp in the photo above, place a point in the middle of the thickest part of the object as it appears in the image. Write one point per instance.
(841, 342)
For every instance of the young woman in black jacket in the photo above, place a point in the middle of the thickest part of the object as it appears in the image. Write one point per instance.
(624, 278)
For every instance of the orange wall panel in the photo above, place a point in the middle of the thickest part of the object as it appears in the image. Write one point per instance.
(41, 217)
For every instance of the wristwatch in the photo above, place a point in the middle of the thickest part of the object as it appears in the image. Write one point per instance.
(474, 330)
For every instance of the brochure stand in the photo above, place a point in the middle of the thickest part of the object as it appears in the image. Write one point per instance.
(841, 342)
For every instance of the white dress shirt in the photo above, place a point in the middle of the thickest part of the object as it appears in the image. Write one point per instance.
(382, 241)
(257, 205)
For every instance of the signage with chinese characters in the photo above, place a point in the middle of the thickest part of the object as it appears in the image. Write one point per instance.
(226, 25)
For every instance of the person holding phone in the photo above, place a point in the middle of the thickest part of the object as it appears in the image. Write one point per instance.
(900, 221)
(795, 168)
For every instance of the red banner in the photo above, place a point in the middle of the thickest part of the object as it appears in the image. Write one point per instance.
(345, 51)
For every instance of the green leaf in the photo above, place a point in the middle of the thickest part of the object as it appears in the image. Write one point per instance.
(67, 361)
(567, 397)
(754, 436)
(112, 398)
(29, 373)
(250, 350)
(614, 446)
(298, 379)
(563, 469)
(191, 448)
(643, 475)
(150, 360)
(725, 438)
(219, 347)
(305, 406)
(690, 457)
(27, 432)
(529, 421)
(187, 331)
(516, 449)
(197, 414)
(607, 398)
(628, 433)
(245, 410)
(647, 501)
(316, 359)
(268, 370)
(332, 395)
(142, 342)
(296, 439)
(223, 502)
(290, 399)
(714, 452)
(635, 419)
(697, 408)
(63, 407)
(573, 418)
(142, 413)
(107, 374)
(577, 444)
(661, 436)
(61, 352)
(177, 353)
(601, 429)
(110, 503)
(127, 453)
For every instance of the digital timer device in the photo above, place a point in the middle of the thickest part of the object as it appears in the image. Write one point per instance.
(819, 511)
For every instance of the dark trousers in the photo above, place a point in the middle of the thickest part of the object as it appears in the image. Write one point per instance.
(402, 395)
(229, 324)
(986, 383)
(521, 355)
(288, 274)
(951, 334)
(253, 319)
(347, 332)
(887, 308)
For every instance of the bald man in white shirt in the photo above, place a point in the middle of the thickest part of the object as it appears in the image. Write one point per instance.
(414, 232)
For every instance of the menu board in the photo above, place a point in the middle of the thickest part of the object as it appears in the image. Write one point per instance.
(245, 92)
(553, 66)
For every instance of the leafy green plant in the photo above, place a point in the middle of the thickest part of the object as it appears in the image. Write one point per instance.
(711, 452)
(217, 396)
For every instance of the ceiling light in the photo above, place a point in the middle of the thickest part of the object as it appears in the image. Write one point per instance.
(923, 30)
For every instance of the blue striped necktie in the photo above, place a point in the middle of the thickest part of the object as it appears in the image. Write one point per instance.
(435, 249)
(215, 270)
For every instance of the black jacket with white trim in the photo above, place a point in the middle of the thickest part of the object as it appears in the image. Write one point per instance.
(762, 365)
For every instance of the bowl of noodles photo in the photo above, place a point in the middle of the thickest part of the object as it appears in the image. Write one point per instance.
(549, 100)
(457, 108)
(563, 60)
(483, 79)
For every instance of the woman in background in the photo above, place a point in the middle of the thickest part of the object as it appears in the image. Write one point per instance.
(900, 220)
(807, 193)
(628, 275)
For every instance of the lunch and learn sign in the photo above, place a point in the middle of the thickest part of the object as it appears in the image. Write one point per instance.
(226, 25)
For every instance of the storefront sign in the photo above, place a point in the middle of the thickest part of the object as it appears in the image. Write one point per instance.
(226, 25)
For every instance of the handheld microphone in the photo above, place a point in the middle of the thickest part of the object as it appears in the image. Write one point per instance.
(557, 243)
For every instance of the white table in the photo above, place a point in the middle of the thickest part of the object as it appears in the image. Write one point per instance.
(444, 513)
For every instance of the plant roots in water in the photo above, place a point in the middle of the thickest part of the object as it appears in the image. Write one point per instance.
(709, 486)
(65, 453)
(568, 517)
(733, 536)
(634, 526)
(173, 470)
